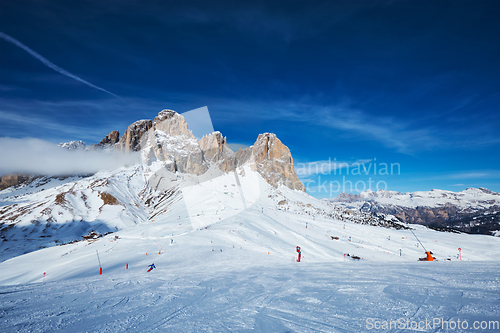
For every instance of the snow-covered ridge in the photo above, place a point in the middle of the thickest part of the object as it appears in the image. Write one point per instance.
(197, 221)
(50, 211)
(72, 145)
(466, 199)
(46, 211)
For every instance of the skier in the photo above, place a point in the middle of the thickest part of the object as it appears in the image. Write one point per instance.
(151, 267)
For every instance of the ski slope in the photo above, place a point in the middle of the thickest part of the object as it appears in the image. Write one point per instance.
(228, 295)
(224, 248)
(211, 215)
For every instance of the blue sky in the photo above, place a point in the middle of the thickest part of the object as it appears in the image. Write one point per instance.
(415, 83)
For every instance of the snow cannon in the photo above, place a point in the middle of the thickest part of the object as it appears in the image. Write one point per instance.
(428, 257)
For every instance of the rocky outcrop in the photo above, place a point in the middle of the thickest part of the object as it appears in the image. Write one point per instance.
(131, 139)
(110, 139)
(172, 123)
(167, 138)
(273, 161)
(12, 180)
(215, 150)
(108, 143)
(170, 141)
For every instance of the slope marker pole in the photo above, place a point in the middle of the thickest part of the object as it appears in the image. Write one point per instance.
(100, 267)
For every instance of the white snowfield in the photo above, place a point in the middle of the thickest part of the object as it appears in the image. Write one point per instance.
(224, 247)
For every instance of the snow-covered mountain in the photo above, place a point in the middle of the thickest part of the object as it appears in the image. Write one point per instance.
(474, 210)
(184, 184)
(45, 211)
(72, 145)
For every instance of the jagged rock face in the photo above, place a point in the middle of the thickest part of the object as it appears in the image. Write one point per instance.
(215, 149)
(108, 143)
(273, 161)
(167, 138)
(131, 139)
(180, 153)
(172, 123)
(12, 180)
(110, 139)
(170, 141)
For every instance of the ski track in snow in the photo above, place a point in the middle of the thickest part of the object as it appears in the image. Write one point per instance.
(293, 297)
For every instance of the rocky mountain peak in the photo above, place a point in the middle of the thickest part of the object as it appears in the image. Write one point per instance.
(166, 114)
(215, 149)
(172, 123)
(268, 146)
(131, 139)
(170, 141)
(167, 138)
(274, 162)
(110, 139)
(213, 144)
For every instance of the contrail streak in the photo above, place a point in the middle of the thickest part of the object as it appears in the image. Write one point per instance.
(49, 64)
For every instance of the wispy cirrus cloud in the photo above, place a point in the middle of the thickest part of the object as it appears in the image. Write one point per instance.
(387, 130)
(352, 123)
(404, 135)
(33, 120)
(68, 120)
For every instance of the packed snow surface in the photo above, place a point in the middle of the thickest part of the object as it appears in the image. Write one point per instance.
(229, 295)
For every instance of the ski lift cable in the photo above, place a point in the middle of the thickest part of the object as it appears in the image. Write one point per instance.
(418, 239)
(98, 258)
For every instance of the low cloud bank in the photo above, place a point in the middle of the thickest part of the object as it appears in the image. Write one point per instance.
(35, 156)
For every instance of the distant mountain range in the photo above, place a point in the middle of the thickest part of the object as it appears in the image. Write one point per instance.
(474, 210)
